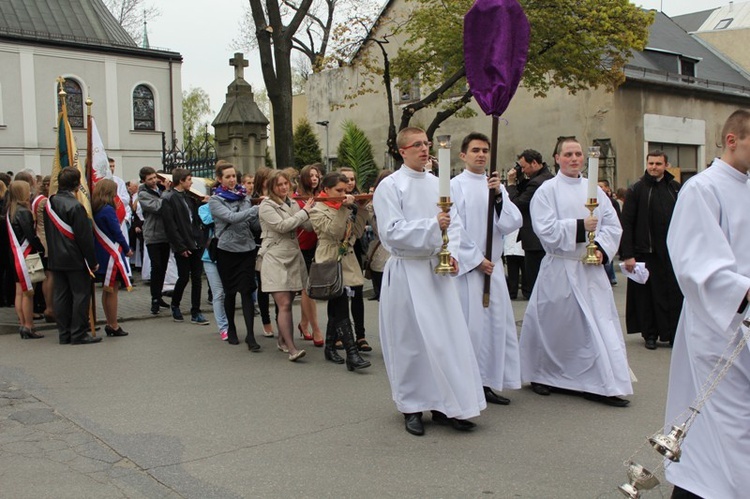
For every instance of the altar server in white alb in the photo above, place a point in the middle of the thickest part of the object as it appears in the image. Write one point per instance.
(571, 337)
(492, 329)
(708, 241)
(426, 345)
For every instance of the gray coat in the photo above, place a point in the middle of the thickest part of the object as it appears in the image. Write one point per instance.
(234, 222)
(153, 225)
(283, 267)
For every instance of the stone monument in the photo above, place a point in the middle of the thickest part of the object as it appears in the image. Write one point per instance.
(241, 128)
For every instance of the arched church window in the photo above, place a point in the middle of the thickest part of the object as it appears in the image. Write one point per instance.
(143, 108)
(73, 102)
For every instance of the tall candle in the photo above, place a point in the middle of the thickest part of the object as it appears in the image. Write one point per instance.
(593, 176)
(444, 160)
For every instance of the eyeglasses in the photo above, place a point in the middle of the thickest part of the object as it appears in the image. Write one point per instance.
(418, 145)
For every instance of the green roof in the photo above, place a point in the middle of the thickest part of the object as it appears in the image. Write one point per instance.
(82, 23)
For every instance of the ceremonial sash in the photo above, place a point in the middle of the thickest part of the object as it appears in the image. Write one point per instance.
(116, 263)
(119, 209)
(35, 204)
(20, 252)
(64, 229)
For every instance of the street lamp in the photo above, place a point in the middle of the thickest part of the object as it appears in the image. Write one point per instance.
(325, 124)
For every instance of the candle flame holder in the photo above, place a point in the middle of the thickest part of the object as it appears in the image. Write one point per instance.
(444, 266)
(590, 258)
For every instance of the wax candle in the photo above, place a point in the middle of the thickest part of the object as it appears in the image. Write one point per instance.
(593, 176)
(444, 160)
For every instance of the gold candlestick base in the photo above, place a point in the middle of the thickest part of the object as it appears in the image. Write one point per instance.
(444, 266)
(590, 258)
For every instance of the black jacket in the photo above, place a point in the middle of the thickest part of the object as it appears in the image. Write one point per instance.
(181, 222)
(23, 227)
(646, 215)
(69, 254)
(521, 194)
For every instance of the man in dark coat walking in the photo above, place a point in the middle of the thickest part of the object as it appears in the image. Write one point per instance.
(652, 309)
(520, 192)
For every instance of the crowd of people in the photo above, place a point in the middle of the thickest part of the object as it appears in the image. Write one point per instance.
(449, 344)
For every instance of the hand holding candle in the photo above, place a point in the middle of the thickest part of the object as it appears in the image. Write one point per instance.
(593, 172)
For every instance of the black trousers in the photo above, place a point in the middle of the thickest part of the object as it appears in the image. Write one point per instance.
(679, 493)
(515, 265)
(358, 311)
(159, 255)
(188, 268)
(377, 282)
(532, 260)
(72, 297)
(338, 309)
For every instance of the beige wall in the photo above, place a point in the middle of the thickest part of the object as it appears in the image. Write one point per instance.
(29, 112)
(732, 43)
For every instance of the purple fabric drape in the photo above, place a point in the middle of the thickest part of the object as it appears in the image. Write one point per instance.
(496, 43)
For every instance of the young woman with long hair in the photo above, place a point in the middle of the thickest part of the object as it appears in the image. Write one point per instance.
(308, 185)
(260, 182)
(23, 242)
(283, 271)
(112, 252)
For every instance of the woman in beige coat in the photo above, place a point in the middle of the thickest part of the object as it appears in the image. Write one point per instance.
(283, 272)
(337, 229)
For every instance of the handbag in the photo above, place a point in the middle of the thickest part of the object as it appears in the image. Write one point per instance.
(326, 279)
(35, 268)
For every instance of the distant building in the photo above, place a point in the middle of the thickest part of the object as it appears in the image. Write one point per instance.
(136, 92)
(725, 29)
(677, 94)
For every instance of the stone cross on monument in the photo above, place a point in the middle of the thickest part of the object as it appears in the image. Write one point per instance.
(240, 63)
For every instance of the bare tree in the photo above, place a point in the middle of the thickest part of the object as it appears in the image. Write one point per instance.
(131, 15)
(275, 40)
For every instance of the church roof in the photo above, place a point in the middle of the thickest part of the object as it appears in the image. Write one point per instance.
(78, 23)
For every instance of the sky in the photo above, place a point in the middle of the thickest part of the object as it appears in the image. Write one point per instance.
(204, 36)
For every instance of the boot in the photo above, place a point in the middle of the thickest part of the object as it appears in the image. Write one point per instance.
(353, 359)
(329, 352)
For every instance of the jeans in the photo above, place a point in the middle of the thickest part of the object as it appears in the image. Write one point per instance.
(212, 274)
(159, 255)
(188, 268)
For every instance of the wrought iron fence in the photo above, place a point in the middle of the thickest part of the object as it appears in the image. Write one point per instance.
(198, 155)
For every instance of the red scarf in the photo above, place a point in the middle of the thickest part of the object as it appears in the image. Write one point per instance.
(333, 204)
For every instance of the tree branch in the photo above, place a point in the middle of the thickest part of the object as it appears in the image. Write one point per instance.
(411, 109)
(443, 115)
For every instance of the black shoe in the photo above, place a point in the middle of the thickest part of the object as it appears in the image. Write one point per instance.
(331, 354)
(253, 347)
(87, 339)
(177, 315)
(651, 343)
(413, 423)
(155, 307)
(540, 389)
(29, 334)
(493, 398)
(162, 303)
(65, 340)
(603, 399)
(114, 332)
(457, 424)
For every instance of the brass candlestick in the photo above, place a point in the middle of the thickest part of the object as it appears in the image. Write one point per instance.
(591, 248)
(444, 266)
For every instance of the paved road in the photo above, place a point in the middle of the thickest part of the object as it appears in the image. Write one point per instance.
(173, 412)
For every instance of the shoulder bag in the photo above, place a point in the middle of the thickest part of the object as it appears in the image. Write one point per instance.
(326, 279)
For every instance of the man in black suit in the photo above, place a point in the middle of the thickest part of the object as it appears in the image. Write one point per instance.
(71, 259)
(183, 228)
(535, 173)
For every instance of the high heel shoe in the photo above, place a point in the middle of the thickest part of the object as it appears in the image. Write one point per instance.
(319, 343)
(304, 334)
(29, 334)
